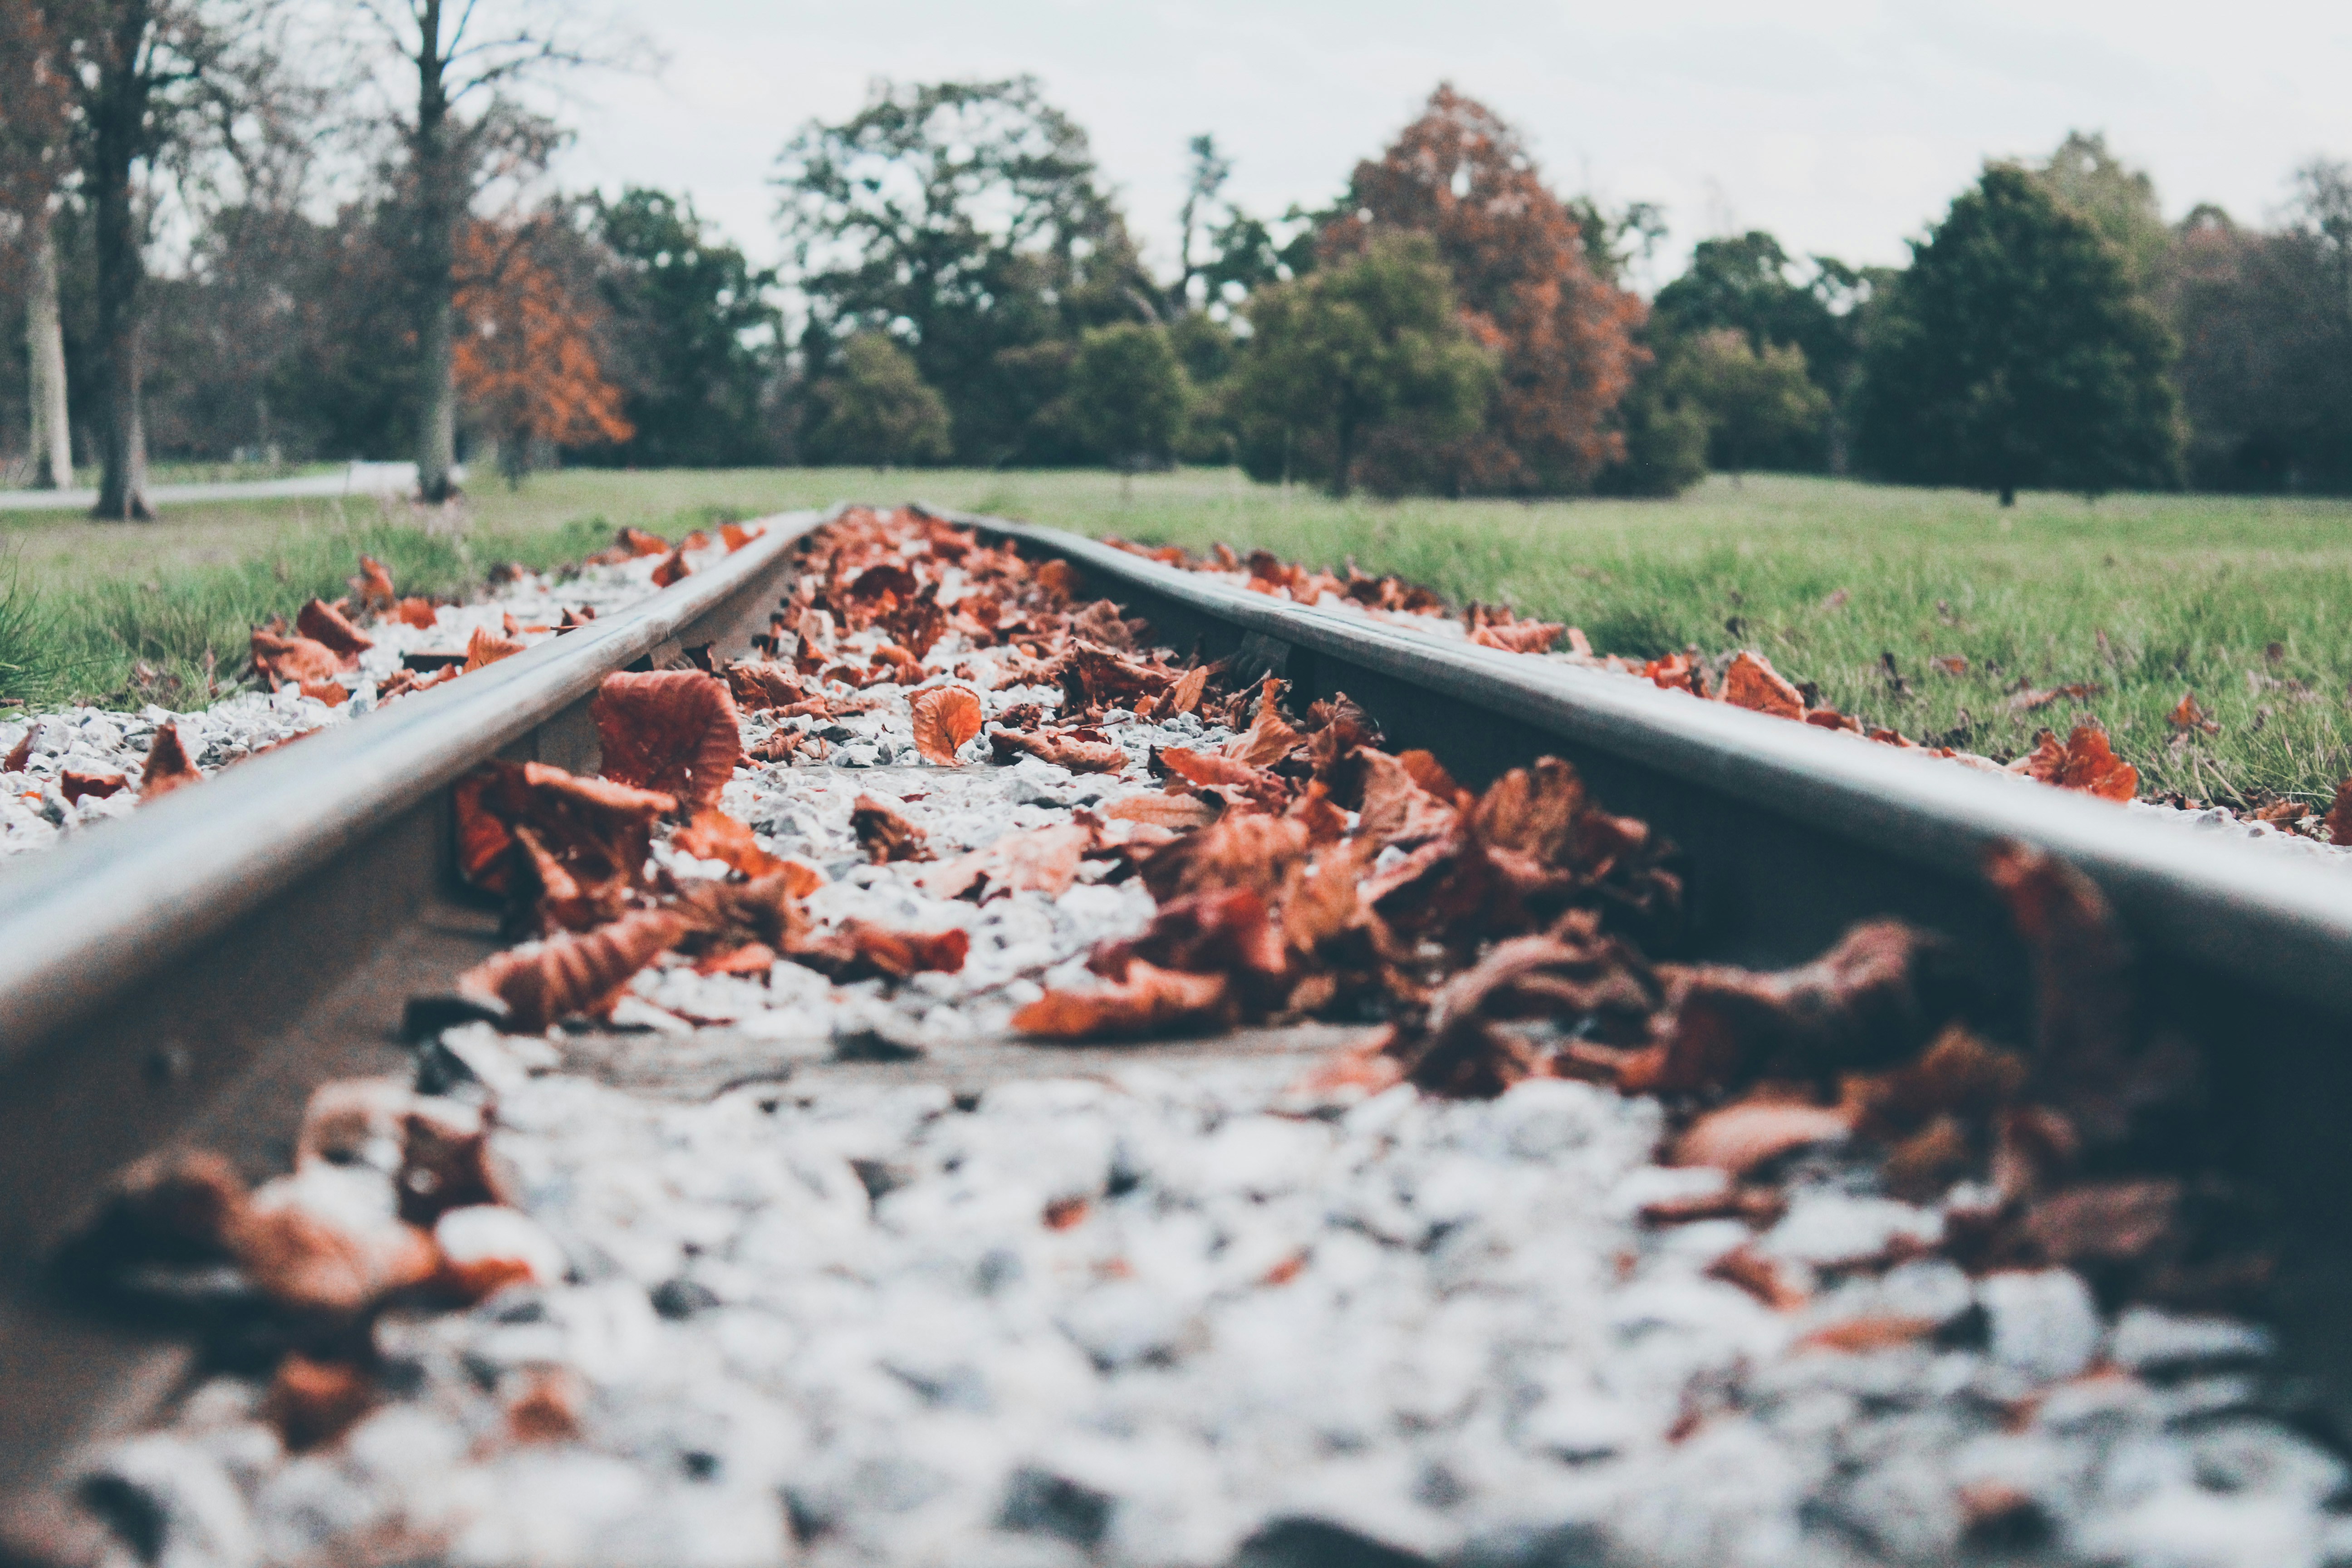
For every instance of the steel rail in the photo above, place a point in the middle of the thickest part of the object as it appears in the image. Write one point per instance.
(188, 974)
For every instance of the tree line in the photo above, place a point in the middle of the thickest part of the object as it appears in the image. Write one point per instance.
(188, 272)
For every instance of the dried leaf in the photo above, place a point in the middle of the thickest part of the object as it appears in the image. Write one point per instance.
(373, 588)
(1752, 682)
(318, 1259)
(856, 949)
(417, 613)
(1239, 851)
(1176, 811)
(674, 731)
(2191, 718)
(333, 693)
(312, 1402)
(1149, 1001)
(1223, 932)
(76, 784)
(735, 535)
(20, 755)
(759, 685)
(2030, 702)
(2339, 815)
(673, 569)
(571, 975)
(1041, 859)
(1268, 739)
(945, 718)
(284, 661)
(1524, 636)
(323, 624)
(884, 833)
(486, 647)
(721, 917)
(1761, 1277)
(1855, 1005)
(168, 766)
(2086, 762)
(1739, 1138)
(1060, 747)
(1185, 695)
(715, 835)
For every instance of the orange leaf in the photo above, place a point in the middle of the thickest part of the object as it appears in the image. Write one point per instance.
(1526, 637)
(638, 542)
(715, 835)
(1677, 672)
(1061, 748)
(168, 766)
(287, 660)
(1185, 695)
(417, 613)
(1041, 859)
(1058, 578)
(2086, 762)
(333, 693)
(754, 959)
(1180, 811)
(1738, 1138)
(2189, 716)
(884, 833)
(673, 730)
(1752, 682)
(487, 647)
(857, 949)
(672, 569)
(322, 623)
(74, 784)
(373, 588)
(735, 536)
(945, 718)
(2339, 815)
(1149, 1001)
(571, 975)
(1268, 740)
(20, 756)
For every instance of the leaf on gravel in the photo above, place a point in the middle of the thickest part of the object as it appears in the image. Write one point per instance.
(1752, 682)
(1397, 809)
(76, 784)
(20, 755)
(720, 917)
(1149, 1001)
(518, 822)
(1185, 695)
(2339, 815)
(945, 718)
(858, 950)
(1080, 751)
(673, 569)
(1177, 811)
(168, 766)
(487, 647)
(2190, 718)
(568, 975)
(715, 835)
(1739, 1138)
(2086, 762)
(1856, 1005)
(884, 833)
(319, 1261)
(2105, 1221)
(417, 613)
(1677, 672)
(1239, 851)
(373, 588)
(333, 693)
(1957, 1074)
(312, 1402)
(285, 661)
(1228, 776)
(1269, 738)
(1765, 1278)
(1041, 859)
(674, 731)
(1223, 933)
(735, 535)
(323, 624)
(759, 685)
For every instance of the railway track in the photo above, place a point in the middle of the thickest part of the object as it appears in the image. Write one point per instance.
(188, 977)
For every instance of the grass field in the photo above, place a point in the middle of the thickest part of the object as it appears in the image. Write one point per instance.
(2146, 598)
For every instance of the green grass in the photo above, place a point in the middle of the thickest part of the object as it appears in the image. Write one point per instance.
(2146, 596)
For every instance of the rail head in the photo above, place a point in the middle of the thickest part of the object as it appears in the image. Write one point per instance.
(131, 896)
(2281, 922)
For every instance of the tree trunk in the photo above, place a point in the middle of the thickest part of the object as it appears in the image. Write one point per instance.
(117, 109)
(439, 206)
(45, 349)
(2008, 494)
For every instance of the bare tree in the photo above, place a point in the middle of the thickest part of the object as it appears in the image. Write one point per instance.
(466, 129)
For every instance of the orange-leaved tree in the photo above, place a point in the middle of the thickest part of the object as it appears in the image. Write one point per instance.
(526, 356)
(1564, 333)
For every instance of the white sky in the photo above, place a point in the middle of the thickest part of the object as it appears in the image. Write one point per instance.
(1843, 126)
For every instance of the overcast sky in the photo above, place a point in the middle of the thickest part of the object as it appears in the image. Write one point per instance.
(1843, 126)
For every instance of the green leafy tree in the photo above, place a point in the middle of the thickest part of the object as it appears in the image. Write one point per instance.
(877, 411)
(968, 221)
(2117, 201)
(1126, 395)
(694, 333)
(2014, 350)
(1371, 344)
(1756, 404)
(1750, 284)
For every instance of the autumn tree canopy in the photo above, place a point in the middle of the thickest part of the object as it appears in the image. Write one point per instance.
(1564, 336)
(526, 356)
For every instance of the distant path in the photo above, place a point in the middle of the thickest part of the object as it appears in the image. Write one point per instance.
(355, 480)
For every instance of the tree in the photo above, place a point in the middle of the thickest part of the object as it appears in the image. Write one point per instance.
(2119, 202)
(694, 330)
(1751, 285)
(32, 140)
(1756, 404)
(876, 411)
(2014, 352)
(526, 357)
(1565, 336)
(1202, 187)
(463, 129)
(1127, 394)
(1371, 345)
(967, 220)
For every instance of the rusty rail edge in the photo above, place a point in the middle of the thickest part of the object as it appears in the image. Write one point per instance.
(2285, 925)
(123, 902)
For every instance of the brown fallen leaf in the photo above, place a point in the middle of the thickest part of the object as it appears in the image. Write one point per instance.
(20, 755)
(323, 624)
(1752, 682)
(373, 588)
(1677, 672)
(1739, 1138)
(945, 718)
(167, 767)
(1241, 850)
(674, 731)
(2339, 815)
(2086, 1058)
(715, 835)
(884, 833)
(333, 693)
(1148, 1001)
(312, 1402)
(855, 949)
(487, 647)
(1060, 747)
(1856, 1005)
(417, 613)
(75, 784)
(2086, 762)
(1269, 738)
(673, 569)
(1040, 859)
(283, 661)
(570, 975)
(1859, 1336)
(1760, 1276)
(1526, 637)
(2191, 718)
(1224, 932)
(1185, 695)
(314, 1261)
(1177, 811)
(736, 535)
(2031, 701)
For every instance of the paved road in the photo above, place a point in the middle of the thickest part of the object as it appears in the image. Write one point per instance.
(355, 480)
